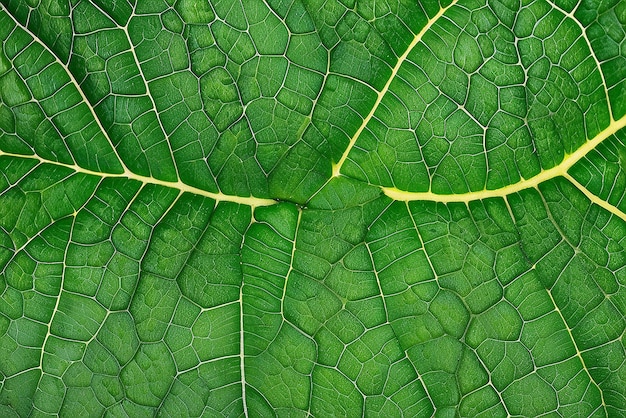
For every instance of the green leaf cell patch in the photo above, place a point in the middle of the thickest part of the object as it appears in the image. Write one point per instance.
(319, 208)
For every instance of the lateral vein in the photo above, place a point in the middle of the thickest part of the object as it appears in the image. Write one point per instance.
(76, 85)
(337, 166)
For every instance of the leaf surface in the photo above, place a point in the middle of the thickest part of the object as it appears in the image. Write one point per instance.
(321, 207)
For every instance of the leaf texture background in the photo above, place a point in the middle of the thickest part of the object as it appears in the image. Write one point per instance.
(312, 208)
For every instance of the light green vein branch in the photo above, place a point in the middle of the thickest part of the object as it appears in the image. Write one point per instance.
(74, 82)
(559, 170)
(595, 199)
(337, 166)
(179, 185)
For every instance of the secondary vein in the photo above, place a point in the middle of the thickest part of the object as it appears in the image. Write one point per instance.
(74, 82)
(337, 166)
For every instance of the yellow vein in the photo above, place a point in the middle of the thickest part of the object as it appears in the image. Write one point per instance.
(595, 199)
(220, 197)
(559, 170)
(381, 94)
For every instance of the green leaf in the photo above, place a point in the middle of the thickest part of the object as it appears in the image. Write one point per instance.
(313, 208)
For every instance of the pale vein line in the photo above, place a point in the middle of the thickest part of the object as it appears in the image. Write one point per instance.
(533, 182)
(74, 82)
(380, 288)
(381, 94)
(549, 290)
(58, 299)
(242, 355)
(145, 81)
(293, 255)
(219, 197)
(595, 199)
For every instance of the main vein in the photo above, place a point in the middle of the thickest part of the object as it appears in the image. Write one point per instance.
(559, 170)
(337, 166)
(218, 196)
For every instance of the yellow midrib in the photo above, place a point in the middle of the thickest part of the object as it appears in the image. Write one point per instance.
(183, 187)
(250, 201)
(559, 170)
(392, 192)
